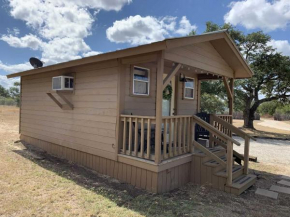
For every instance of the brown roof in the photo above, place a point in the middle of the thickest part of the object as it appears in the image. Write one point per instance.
(220, 40)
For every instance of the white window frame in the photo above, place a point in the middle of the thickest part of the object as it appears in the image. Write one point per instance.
(133, 79)
(189, 88)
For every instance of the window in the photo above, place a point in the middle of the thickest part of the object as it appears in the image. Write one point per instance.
(141, 81)
(189, 88)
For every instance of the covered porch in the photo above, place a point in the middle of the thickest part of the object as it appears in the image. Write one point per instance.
(169, 135)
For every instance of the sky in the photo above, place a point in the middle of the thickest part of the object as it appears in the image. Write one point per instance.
(62, 30)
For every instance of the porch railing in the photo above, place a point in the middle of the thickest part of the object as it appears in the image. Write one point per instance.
(138, 136)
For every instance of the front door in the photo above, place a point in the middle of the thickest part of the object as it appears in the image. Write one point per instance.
(168, 105)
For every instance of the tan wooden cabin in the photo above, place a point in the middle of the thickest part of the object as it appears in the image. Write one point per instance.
(115, 120)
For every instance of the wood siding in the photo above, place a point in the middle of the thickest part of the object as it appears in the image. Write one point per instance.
(140, 105)
(186, 106)
(203, 56)
(90, 126)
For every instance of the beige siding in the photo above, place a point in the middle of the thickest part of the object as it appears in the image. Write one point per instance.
(140, 105)
(186, 106)
(203, 56)
(90, 126)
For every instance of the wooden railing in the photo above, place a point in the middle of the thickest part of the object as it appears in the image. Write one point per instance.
(224, 126)
(176, 135)
(226, 140)
(137, 136)
(220, 127)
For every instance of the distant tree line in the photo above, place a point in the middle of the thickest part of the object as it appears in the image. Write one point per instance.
(276, 109)
(11, 96)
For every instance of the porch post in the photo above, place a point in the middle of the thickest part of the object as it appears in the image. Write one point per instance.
(231, 100)
(159, 96)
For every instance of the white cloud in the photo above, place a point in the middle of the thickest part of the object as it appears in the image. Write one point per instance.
(140, 30)
(185, 27)
(14, 68)
(282, 46)
(7, 83)
(28, 41)
(59, 26)
(263, 14)
(91, 53)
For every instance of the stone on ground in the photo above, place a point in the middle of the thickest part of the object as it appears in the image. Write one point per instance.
(283, 182)
(267, 193)
(280, 189)
(285, 177)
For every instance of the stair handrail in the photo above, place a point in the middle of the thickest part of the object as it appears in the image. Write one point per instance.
(229, 142)
(242, 134)
(232, 128)
(213, 130)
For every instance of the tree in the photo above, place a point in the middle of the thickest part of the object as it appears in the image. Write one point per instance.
(15, 93)
(271, 71)
(212, 104)
(3, 92)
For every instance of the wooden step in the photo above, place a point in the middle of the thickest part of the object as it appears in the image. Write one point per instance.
(237, 171)
(213, 163)
(242, 183)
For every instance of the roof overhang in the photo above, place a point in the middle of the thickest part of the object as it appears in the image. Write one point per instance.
(220, 40)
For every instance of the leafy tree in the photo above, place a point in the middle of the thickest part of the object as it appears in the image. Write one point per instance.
(271, 72)
(212, 104)
(268, 108)
(3, 92)
(15, 92)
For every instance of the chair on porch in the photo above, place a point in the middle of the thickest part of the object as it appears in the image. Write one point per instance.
(200, 132)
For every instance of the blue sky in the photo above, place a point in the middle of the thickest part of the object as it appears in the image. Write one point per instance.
(61, 30)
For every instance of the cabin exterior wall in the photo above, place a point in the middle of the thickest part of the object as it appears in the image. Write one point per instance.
(91, 126)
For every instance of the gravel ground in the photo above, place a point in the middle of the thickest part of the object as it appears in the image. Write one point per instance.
(268, 151)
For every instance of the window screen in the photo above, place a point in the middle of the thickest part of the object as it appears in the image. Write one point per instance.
(140, 81)
(189, 88)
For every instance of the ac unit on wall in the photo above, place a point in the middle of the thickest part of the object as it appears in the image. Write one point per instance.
(63, 83)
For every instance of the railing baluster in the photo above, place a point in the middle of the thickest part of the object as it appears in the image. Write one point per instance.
(184, 135)
(175, 137)
(229, 162)
(142, 137)
(246, 155)
(124, 135)
(136, 137)
(130, 136)
(165, 139)
(179, 135)
(148, 138)
(170, 138)
(188, 134)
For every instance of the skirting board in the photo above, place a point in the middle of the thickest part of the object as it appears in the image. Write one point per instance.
(157, 182)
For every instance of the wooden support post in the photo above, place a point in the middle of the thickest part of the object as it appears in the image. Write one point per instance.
(246, 155)
(158, 98)
(229, 163)
(198, 95)
(231, 102)
(211, 117)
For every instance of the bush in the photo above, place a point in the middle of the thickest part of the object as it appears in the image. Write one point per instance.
(7, 101)
(282, 113)
(268, 108)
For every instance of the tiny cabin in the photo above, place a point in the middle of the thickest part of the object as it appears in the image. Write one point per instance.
(134, 114)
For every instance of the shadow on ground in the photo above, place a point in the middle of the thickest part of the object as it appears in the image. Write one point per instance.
(190, 200)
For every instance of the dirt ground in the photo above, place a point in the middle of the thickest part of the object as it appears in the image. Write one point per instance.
(267, 128)
(33, 183)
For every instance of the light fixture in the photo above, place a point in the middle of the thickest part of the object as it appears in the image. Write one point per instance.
(182, 78)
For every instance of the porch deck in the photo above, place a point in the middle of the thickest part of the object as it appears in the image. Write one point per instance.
(138, 141)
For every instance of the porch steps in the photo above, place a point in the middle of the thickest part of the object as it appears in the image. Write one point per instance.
(209, 172)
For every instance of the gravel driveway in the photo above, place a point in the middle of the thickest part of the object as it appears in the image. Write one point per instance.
(270, 151)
